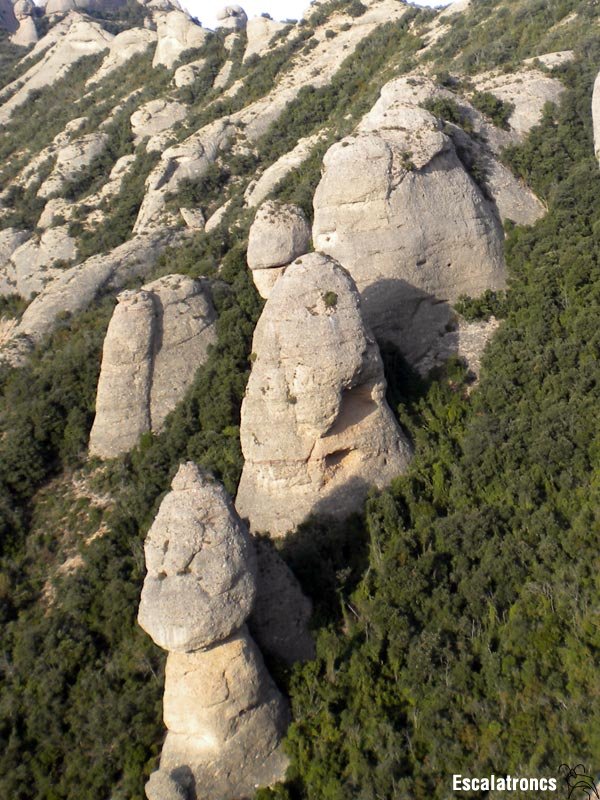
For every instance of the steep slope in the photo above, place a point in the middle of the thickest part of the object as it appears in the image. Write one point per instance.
(444, 630)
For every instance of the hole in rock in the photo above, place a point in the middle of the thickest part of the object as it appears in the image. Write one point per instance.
(355, 406)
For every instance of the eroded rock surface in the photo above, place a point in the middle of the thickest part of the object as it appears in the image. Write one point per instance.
(155, 117)
(201, 579)
(65, 43)
(124, 46)
(156, 340)
(224, 715)
(316, 430)
(260, 31)
(279, 234)
(75, 288)
(71, 159)
(232, 18)
(177, 32)
(408, 221)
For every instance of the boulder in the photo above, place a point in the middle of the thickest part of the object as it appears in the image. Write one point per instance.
(201, 579)
(408, 221)
(260, 32)
(232, 18)
(316, 430)
(124, 46)
(169, 325)
(155, 117)
(177, 32)
(279, 234)
(27, 32)
(161, 786)
(187, 74)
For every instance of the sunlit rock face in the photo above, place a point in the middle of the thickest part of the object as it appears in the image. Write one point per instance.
(316, 430)
(157, 339)
(224, 715)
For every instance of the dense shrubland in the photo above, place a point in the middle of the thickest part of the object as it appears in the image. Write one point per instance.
(454, 617)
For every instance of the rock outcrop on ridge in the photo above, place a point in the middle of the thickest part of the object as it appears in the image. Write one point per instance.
(27, 32)
(316, 430)
(176, 32)
(156, 340)
(232, 18)
(224, 715)
(408, 221)
(279, 234)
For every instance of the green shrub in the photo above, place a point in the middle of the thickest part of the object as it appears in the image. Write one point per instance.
(496, 110)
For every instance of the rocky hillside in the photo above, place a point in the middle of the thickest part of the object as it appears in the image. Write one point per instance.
(310, 308)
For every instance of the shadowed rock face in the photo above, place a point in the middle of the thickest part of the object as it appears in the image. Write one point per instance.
(316, 430)
(281, 613)
(156, 340)
(408, 221)
(224, 715)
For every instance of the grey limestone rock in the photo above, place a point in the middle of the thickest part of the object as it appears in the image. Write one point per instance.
(201, 579)
(316, 430)
(161, 786)
(279, 234)
(232, 18)
(156, 340)
(409, 223)
(176, 32)
(224, 715)
(225, 720)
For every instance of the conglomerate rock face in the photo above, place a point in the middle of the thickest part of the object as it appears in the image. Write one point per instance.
(156, 340)
(201, 565)
(316, 430)
(408, 221)
(279, 234)
(224, 715)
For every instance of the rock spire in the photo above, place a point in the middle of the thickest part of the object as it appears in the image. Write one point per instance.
(316, 430)
(224, 715)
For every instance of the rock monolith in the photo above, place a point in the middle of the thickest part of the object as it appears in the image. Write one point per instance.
(316, 429)
(224, 715)
(157, 338)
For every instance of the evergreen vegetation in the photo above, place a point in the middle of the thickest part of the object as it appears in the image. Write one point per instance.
(456, 617)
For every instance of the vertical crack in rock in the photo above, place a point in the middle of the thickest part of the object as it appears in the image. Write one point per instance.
(224, 715)
(316, 430)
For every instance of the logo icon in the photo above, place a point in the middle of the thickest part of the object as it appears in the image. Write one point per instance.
(578, 782)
